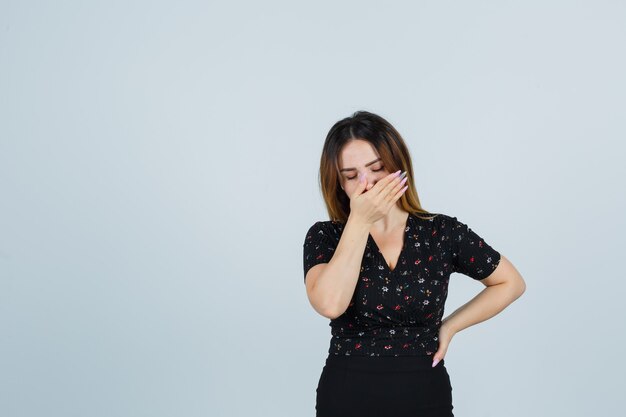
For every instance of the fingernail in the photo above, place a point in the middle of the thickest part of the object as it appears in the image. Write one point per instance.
(435, 362)
(397, 172)
(402, 175)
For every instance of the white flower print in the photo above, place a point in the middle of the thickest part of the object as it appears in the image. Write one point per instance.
(379, 322)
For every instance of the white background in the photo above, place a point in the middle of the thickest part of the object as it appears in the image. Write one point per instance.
(158, 173)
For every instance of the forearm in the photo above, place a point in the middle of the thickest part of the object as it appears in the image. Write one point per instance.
(483, 306)
(338, 280)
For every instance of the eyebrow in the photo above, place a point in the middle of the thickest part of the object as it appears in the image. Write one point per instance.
(368, 164)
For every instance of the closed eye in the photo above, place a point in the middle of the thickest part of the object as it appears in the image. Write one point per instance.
(374, 170)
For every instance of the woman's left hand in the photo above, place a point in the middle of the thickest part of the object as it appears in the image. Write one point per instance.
(445, 335)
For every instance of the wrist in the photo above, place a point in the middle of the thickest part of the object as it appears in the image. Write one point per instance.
(448, 326)
(358, 221)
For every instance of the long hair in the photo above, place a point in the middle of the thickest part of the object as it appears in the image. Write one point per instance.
(391, 148)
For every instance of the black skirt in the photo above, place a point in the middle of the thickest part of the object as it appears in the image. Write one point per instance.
(383, 386)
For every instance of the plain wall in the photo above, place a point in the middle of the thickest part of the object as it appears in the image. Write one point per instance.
(158, 173)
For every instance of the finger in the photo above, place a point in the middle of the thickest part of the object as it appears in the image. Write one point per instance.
(380, 185)
(390, 189)
(439, 355)
(400, 193)
(436, 358)
(395, 190)
(362, 183)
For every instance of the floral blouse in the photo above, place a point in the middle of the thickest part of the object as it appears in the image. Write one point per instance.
(398, 312)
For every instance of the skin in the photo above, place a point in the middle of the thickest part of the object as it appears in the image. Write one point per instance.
(330, 286)
(389, 229)
(502, 287)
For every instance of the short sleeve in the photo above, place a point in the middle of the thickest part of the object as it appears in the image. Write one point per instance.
(471, 255)
(318, 247)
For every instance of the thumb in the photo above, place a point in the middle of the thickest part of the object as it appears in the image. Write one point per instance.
(441, 352)
(436, 359)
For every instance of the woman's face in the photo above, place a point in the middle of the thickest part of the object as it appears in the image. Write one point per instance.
(359, 157)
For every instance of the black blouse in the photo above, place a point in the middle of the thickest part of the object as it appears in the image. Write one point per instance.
(399, 312)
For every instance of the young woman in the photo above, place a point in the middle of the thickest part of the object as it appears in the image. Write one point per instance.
(379, 270)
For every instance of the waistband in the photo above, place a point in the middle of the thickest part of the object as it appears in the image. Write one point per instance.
(382, 363)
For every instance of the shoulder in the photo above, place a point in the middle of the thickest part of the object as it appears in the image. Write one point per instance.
(324, 229)
(430, 219)
(436, 223)
(440, 219)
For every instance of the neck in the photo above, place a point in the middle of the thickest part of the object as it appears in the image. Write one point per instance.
(395, 218)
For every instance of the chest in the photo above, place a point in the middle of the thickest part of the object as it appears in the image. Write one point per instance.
(390, 246)
(415, 285)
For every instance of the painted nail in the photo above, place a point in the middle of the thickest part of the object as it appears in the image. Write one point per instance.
(404, 180)
(402, 175)
(435, 363)
(397, 172)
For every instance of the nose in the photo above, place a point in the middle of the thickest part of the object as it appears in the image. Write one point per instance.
(371, 179)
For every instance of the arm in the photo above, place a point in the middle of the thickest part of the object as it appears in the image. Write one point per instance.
(504, 285)
(330, 286)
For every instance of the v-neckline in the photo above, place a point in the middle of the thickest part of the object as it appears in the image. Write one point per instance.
(405, 237)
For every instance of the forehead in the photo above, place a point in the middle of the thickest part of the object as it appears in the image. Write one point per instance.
(357, 154)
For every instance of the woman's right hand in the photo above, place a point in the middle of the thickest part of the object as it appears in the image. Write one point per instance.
(374, 204)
